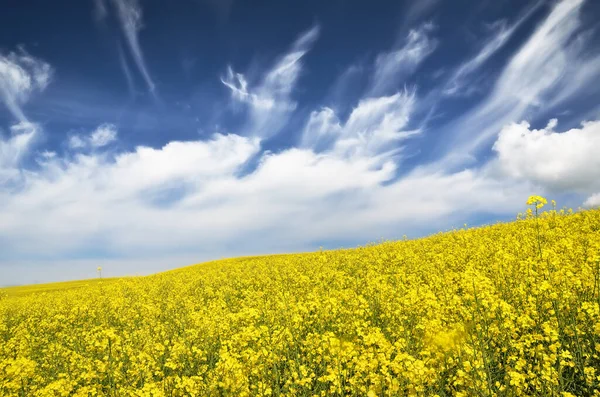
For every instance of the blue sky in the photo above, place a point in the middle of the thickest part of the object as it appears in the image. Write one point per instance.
(145, 135)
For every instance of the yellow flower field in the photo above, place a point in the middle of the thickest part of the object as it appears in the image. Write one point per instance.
(503, 310)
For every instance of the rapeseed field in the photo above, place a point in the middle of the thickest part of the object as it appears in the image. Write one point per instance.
(503, 310)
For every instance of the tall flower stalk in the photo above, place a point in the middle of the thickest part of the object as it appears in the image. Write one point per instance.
(537, 202)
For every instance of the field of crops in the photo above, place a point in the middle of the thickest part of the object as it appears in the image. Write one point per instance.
(503, 310)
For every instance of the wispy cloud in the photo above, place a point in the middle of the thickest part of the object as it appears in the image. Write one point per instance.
(130, 16)
(374, 129)
(270, 101)
(392, 67)
(100, 10)
(103, 135)
(222, 8)
(20, 76)
(548, 58)
(13, 148)
(418, 9)
(378, 123)
(194, 192)
(126, 71)
(502, 33)
(322, 129)
(195, 200)
(346, 86)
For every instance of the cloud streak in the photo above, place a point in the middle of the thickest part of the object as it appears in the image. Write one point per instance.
(20, 76)
(458, 79)
(549, 59)
(374, 128)
(391, 68)
(126, 72)
(269, 101)
(129, 13)
(14, 148)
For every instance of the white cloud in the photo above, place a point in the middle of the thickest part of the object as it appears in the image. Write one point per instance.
(541, 62)
(100, 10)
(270, 102)
(126, 72)
(199, 200)
(593, 201)
(188, 198)
(77, 142)
(457, 83)
(377, 125)
(345, 86)
(103, 135)
(70, 201)
(321, 130)
(392, 67)
(374, 128)
(16, 146)
(21, 75)
(238, 85)
(418, 9)
(130, 17)
(548, 60)
(558, 161)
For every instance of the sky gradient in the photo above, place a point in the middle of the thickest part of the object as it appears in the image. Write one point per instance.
(145, 135)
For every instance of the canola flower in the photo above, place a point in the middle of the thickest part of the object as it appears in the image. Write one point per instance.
(538, 201)
(471, 312)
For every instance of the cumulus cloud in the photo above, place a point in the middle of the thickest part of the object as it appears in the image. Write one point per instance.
(592, 201)
(69, 201)
(20, 76)
(558, 161)
(188, 198)
(392, 67)
(269, 101)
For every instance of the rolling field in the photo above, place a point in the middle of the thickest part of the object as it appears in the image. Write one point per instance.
(503, 310)
(51, 287)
